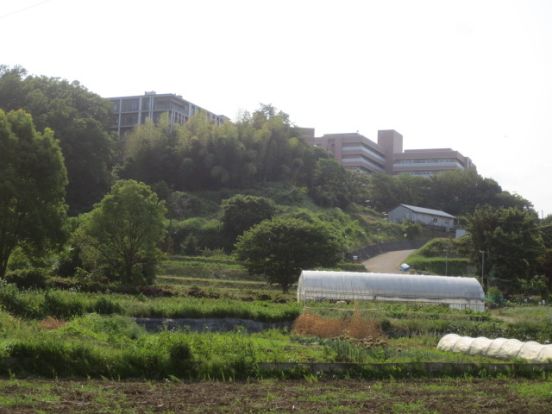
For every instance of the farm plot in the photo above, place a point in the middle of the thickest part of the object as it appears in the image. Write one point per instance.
(448, 396)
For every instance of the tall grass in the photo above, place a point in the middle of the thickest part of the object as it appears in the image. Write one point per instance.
(66, 304)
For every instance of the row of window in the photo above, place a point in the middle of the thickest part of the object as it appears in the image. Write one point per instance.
(362, 160)
(428, 161)
(348, 148)
(163, 104)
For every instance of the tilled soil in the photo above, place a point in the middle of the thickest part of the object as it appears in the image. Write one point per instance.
(340, 396)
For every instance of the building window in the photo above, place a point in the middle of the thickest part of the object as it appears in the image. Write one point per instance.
(130, 105)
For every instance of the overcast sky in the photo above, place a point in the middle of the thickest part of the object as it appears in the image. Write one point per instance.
(475, 76)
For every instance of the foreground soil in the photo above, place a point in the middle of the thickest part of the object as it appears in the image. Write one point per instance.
(307, 396)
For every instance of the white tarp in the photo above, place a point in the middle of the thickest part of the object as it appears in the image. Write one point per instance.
(497, 348)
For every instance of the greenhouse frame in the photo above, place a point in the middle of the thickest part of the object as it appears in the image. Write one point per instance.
(457, 292)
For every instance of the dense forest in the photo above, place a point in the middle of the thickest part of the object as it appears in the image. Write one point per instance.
(192, 170)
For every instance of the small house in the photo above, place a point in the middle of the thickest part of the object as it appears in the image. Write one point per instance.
(422, 215)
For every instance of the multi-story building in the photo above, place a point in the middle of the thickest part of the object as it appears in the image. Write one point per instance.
(130, 111)
(355, 151)
(429, 161)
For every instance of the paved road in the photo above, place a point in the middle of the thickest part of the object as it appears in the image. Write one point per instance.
(387, 262)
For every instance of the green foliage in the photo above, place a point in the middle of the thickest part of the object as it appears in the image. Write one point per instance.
(241, 212)
(28, 278)
(546, 231)
(536, 285)
(68, 304)
(199, 266)
(511, 242)
(349, 232)
(261, 147)
(32, 187)
(331, 187)
(182, 205)
(81, 121)
(456, 192)
(121, 234)
(442, 256)
(13, 301)
(494, 296)
(280, 248)
(441, 265)
(193, 235)
(545, 264)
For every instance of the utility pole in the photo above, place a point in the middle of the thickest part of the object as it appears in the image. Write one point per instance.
(483, 268)
(446, 263)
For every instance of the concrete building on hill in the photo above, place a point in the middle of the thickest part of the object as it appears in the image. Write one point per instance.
(355, 151)
(130, 111)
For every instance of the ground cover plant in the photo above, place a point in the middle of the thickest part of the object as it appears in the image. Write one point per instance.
(52, 333)
(116, 347)
(67, 304)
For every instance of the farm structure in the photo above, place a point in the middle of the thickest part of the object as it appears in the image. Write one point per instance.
(457, 292)
(426, 216)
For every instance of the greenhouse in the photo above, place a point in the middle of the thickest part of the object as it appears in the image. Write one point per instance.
(457, 292)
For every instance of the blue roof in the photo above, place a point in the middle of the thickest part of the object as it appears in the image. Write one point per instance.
(429, 211)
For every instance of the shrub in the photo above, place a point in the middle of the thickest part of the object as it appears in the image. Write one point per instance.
(18, 304)
(105, 306)
(27, 278)
(494, 297)
(62, 306)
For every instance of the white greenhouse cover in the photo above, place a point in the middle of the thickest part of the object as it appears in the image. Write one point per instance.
(456, 291)
(498, 348)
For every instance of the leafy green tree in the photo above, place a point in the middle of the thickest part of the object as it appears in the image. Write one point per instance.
(81, 121)
(546, 231)
(120, 235)
(511, 242)
(241, 212)
(280, 248)
(331, 186)
(545, 262)
(32, 187)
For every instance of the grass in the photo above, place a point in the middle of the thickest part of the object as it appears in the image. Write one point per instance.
(204, 267)
(65, 305)
(115, 347)
(530, 390)
(441, 256)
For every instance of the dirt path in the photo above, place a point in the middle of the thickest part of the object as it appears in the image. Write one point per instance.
(387, 262)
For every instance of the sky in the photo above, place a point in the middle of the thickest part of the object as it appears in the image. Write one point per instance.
(475, 76)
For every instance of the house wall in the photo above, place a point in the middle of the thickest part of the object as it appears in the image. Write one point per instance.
(402, 213)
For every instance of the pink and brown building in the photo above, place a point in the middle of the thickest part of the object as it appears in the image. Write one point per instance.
(355, 151)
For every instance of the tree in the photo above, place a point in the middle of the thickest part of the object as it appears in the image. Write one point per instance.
(120, 235)
(241, 212)
(80, 120)
(511, 242)
(546, 231)
(32, 187)
(280, 248)
(545, 262)
(331, 184)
